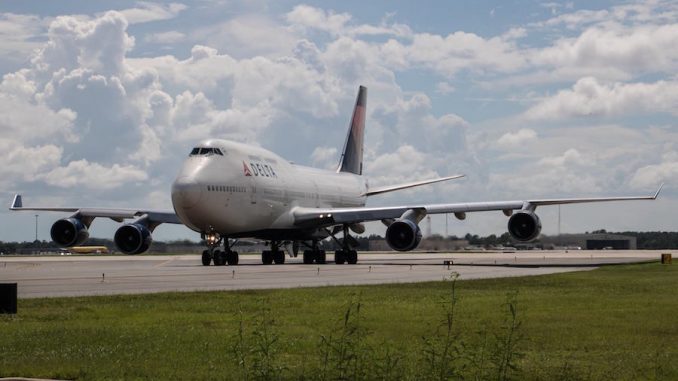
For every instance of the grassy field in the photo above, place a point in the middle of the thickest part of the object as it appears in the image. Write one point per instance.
(618, 322)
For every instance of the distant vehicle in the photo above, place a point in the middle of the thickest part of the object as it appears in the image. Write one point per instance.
(227, 190)
(88, 250)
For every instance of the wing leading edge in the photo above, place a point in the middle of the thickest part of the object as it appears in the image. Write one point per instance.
(153, 216)
(312, 217)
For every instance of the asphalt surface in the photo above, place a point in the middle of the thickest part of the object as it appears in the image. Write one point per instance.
(55, 276)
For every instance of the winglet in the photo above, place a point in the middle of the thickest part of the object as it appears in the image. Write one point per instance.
(658, 190)
(16, 204)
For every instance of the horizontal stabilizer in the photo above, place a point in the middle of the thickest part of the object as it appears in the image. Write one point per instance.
(391, 188)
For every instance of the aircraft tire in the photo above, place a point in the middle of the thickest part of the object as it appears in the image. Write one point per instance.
(308, 257)
(352, 257)
(320, 257)
(278, 257)
(339, 257)
(206, 258)
(232, 258)
(219, 258)
(266, 257)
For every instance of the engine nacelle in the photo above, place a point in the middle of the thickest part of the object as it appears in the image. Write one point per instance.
(403, 235)
(524, 226)
(69, 232)
(133, 238)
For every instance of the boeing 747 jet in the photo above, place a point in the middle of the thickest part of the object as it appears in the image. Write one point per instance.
(227, 191)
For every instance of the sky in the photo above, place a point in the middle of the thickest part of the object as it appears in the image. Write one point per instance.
(100, 102)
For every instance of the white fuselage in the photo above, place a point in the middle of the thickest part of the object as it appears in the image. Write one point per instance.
(241, 190)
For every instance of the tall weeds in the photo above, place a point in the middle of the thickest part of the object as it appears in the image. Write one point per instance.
(347, 353)
(344, 353)
(442, 355)
(256, 351)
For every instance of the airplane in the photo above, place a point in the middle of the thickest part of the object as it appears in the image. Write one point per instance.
(227, 191)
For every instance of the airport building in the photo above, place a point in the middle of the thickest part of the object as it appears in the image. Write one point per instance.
(597, 241)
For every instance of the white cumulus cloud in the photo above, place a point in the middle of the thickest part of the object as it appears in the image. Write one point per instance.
(518, 138)
(589, 97)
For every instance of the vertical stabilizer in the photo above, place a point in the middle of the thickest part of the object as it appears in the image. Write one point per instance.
(352, 155)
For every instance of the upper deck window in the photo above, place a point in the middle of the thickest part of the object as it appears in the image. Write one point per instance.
(203, 151)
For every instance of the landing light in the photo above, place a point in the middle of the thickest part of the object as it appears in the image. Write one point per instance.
(212, 238)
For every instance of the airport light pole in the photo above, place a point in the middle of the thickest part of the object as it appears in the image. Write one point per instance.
(36, 228)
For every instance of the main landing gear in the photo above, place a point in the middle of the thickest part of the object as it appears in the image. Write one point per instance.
(346, 254)
(274, 255)
(213, 254)
(315, 254)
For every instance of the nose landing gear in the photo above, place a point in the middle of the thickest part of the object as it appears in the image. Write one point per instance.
(213, 254)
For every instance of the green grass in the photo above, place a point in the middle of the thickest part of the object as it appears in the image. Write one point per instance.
(618, 322)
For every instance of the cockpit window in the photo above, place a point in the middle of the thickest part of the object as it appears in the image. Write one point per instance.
(203, 151)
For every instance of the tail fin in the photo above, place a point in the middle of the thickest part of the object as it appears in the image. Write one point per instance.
(352, 155)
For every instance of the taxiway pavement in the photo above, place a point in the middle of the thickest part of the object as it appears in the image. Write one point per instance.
(56, 276)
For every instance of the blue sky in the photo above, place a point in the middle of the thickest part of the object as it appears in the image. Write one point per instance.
(101, 102)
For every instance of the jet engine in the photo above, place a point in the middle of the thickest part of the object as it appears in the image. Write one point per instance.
(69, 232)
(133, 238)
(403, 235)
(524, 226)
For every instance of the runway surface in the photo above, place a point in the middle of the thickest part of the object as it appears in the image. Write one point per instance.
(107, 275)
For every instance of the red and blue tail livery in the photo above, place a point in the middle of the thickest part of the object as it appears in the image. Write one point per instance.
(352, 156)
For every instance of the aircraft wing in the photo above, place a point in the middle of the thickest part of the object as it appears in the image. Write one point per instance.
(153, 216)
(317, 217)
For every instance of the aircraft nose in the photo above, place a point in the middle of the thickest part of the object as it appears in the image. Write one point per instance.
(186, 192)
